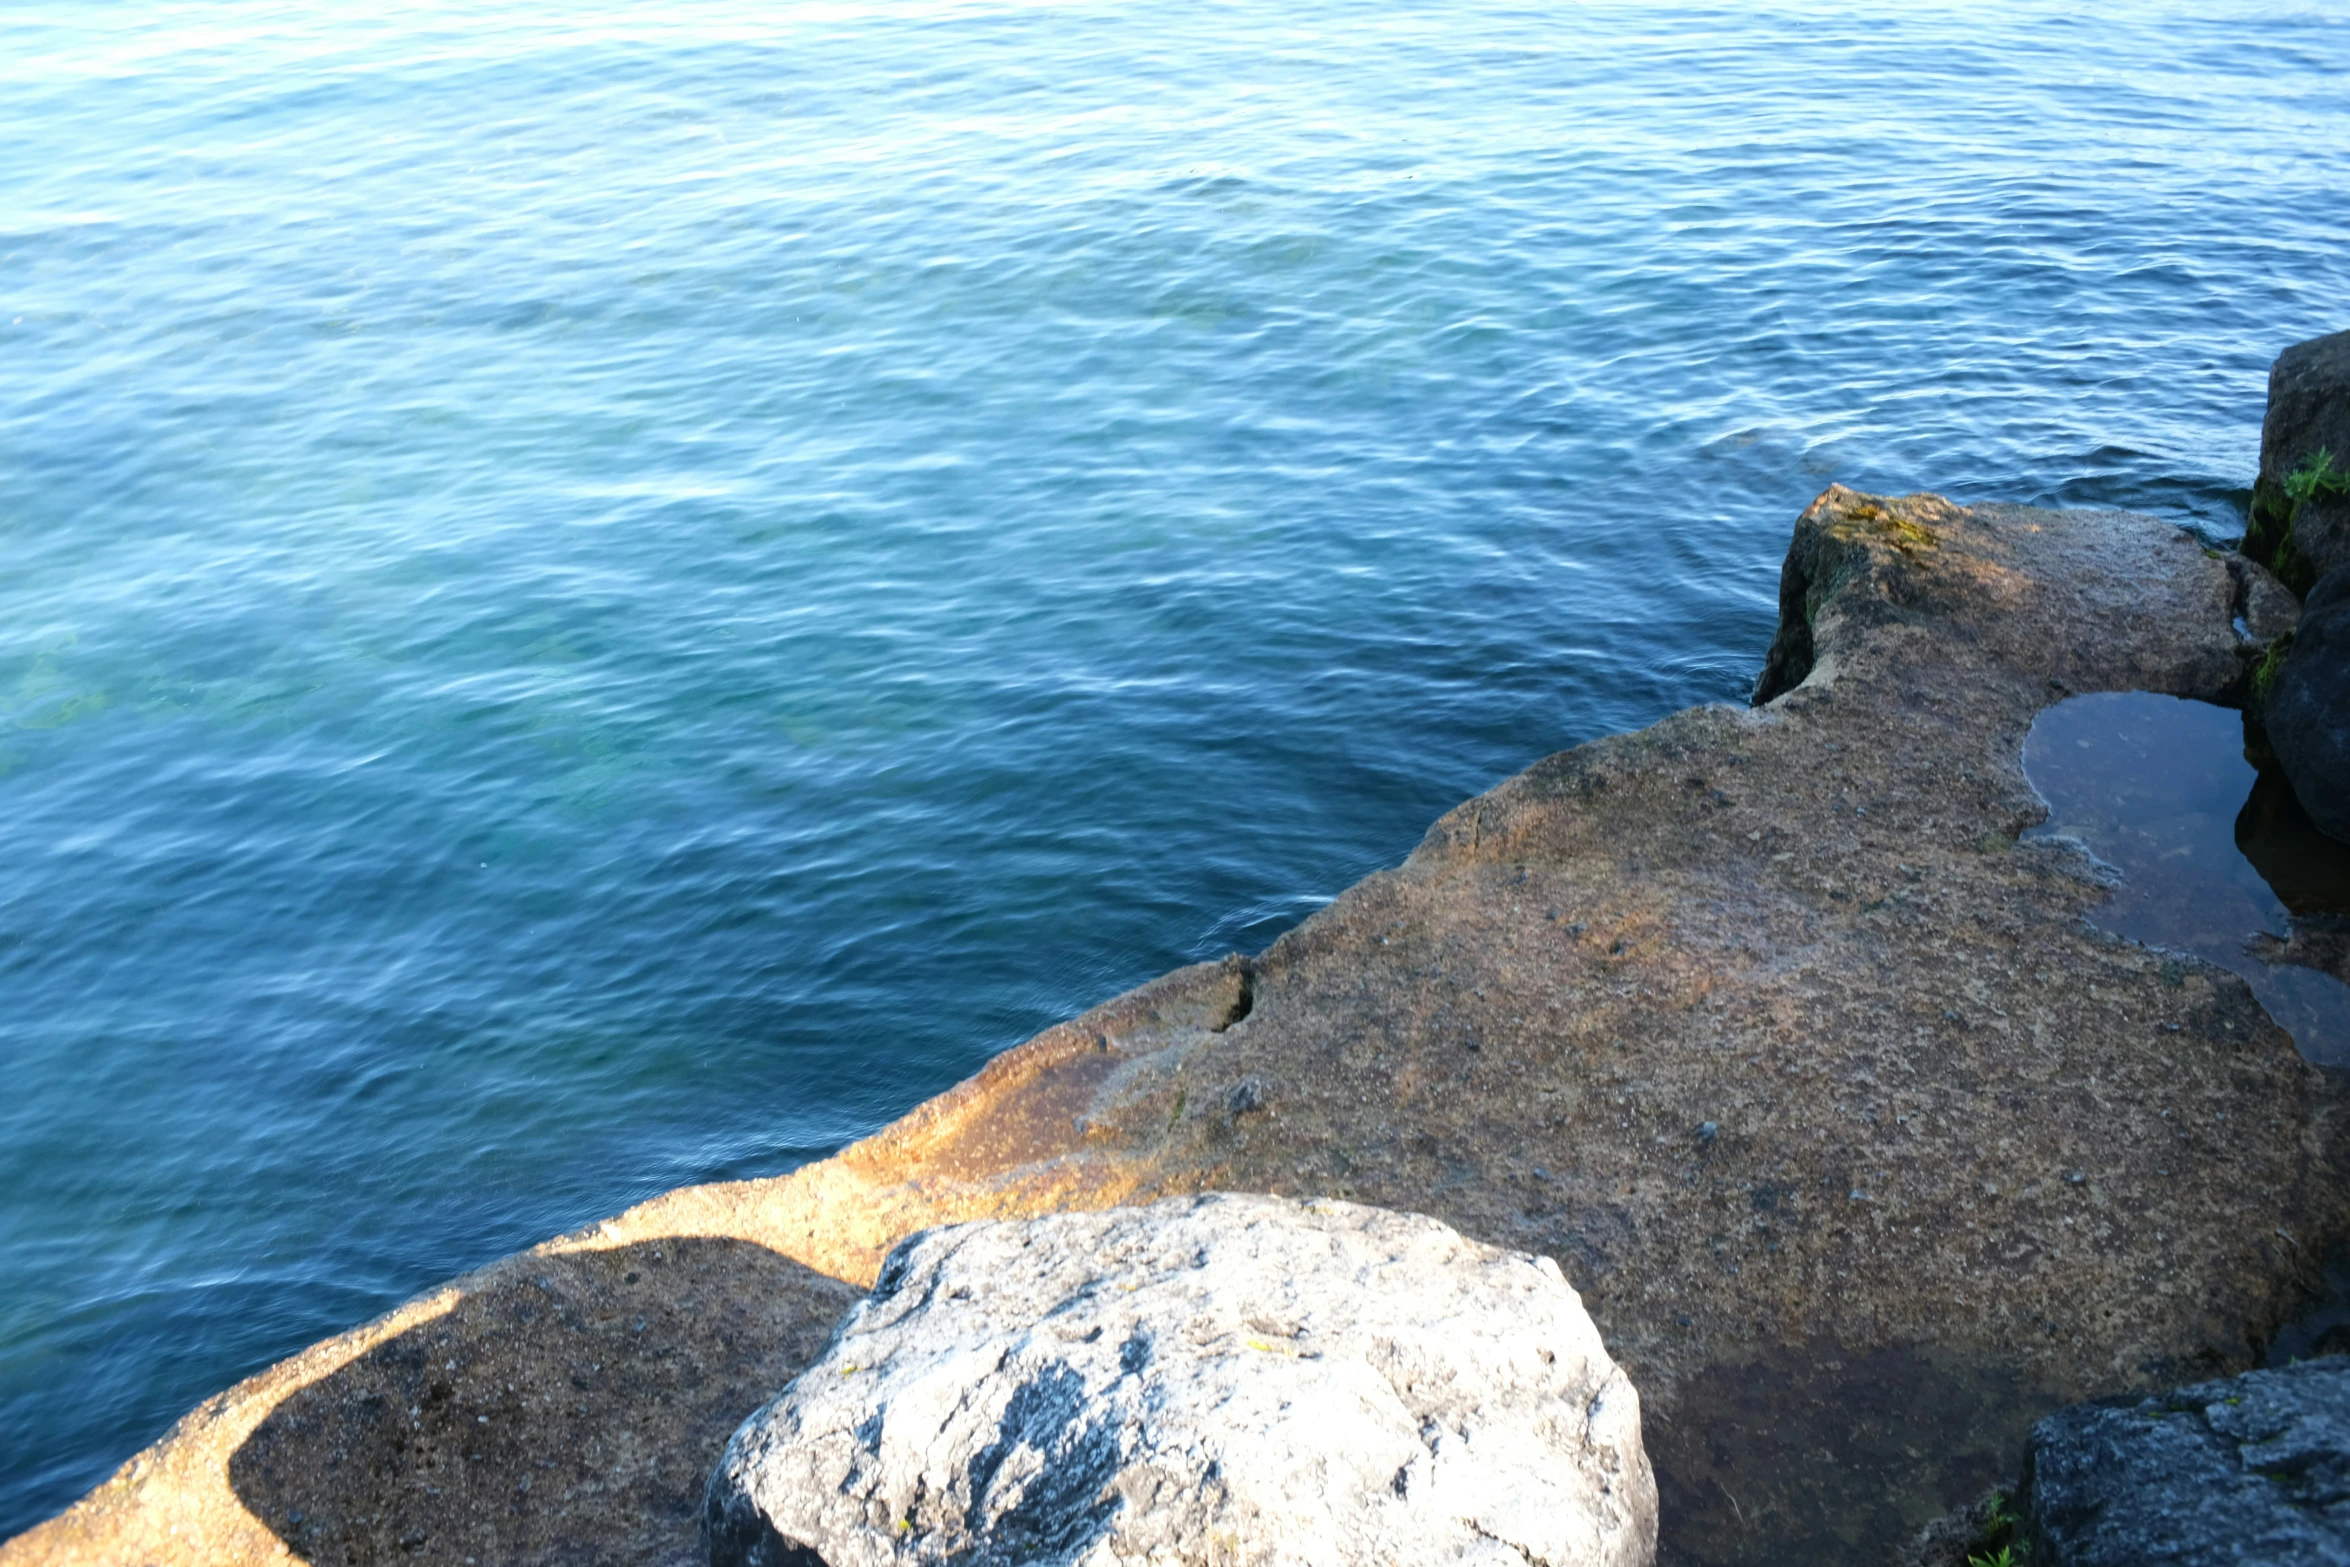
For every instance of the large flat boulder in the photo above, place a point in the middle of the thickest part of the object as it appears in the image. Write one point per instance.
(1863, 1145)
(2307, 712)
(1240, 1380)
(2252, 1470)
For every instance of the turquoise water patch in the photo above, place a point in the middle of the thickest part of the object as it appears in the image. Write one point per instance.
(594, 597)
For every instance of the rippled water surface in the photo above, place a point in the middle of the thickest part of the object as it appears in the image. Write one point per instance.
(593, 598)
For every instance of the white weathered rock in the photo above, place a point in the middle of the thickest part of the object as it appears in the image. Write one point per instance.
(1216, 1380)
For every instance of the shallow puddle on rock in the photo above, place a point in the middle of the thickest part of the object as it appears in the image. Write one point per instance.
(2158, 789)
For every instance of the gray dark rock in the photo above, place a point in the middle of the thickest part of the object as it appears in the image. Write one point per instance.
(2308, 404)
(2321, 529)
(2249, 1470)
(2307, 711)
(1240, 1380)
(2308, 413)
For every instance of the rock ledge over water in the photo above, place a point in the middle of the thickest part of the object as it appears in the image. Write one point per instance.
(1863, 1146)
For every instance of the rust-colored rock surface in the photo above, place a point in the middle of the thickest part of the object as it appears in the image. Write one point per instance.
(1863, 1145)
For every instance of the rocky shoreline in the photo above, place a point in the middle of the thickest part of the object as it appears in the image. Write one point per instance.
(1864, 1147)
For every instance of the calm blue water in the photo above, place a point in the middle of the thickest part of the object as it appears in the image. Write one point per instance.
(599, 597)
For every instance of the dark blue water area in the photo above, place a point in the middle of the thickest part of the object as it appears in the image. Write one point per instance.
(598, 597)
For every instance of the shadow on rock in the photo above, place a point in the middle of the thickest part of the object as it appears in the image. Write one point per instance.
(1810, 1453)
(568, 1409)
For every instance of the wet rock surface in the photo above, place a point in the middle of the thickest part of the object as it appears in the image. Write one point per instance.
(2254, 1469)
(1971, 1159)
(1228, 1379)
(2307, 714)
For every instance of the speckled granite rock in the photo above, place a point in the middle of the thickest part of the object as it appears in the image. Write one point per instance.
(1863, 1147)
(2307, 714)
(1241, 1380)
(2252, 1470)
